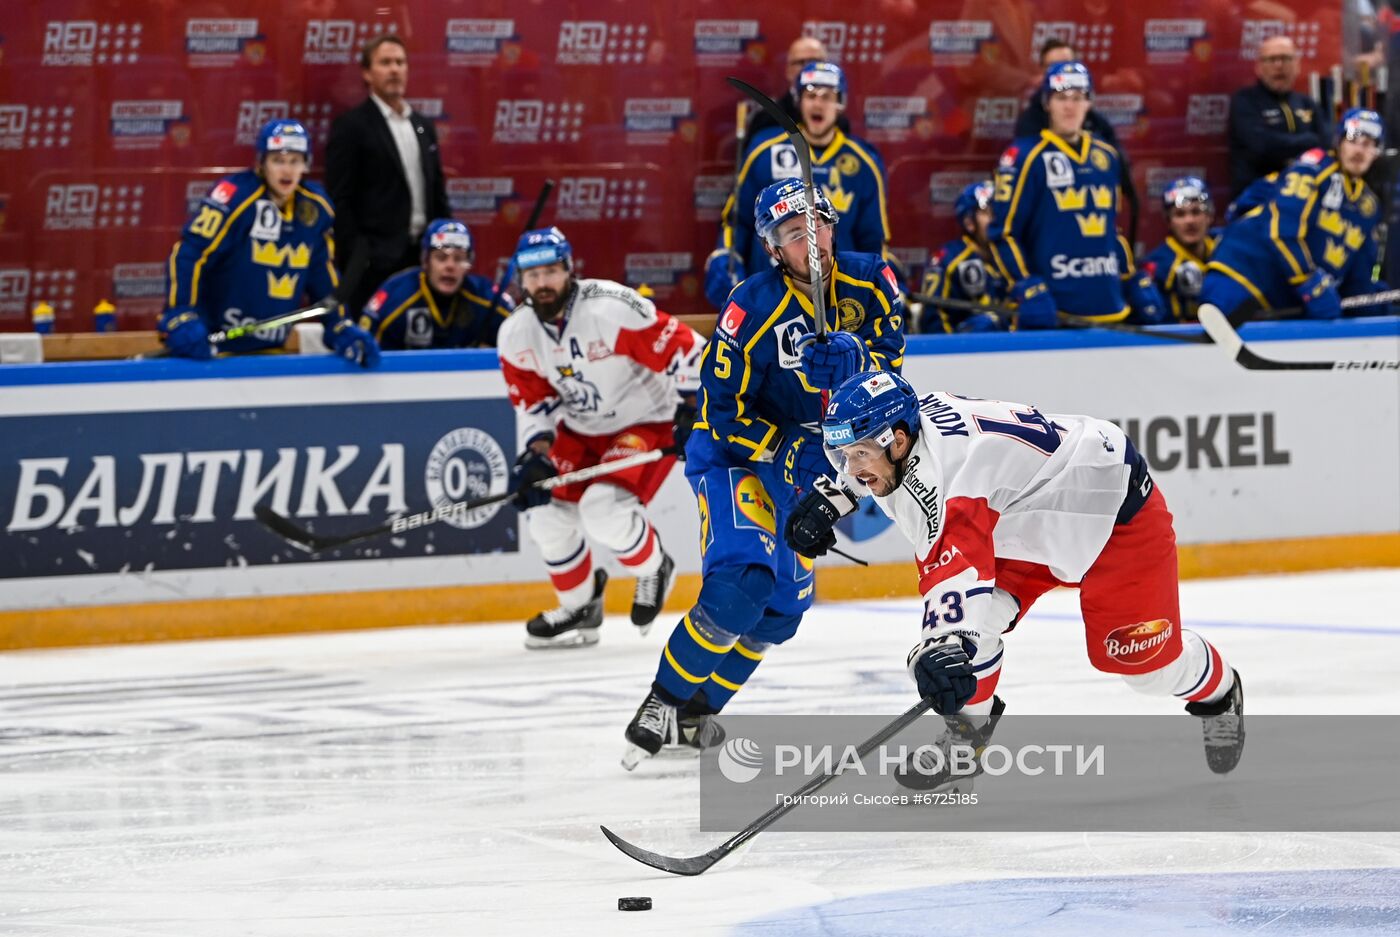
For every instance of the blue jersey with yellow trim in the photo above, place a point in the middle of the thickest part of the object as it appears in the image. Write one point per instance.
(753, 393)
(405, 313)
(1054, 215)
(1178, 272)
(958, 271)
(848, 170)
(240, 259)
(1317, 217)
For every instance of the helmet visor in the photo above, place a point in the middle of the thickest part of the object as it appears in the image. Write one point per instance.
(849, 455)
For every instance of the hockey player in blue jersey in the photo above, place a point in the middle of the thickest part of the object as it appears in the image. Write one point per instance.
(440, 304)
(763, 380)
(258, 246)
(1178, 264)
(1055, 210)
(962, 270)
(1314, 241)
(848, 170)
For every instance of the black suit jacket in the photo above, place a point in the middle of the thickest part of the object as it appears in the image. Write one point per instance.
(366, 181)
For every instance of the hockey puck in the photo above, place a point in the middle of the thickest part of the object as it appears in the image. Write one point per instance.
(634, 904)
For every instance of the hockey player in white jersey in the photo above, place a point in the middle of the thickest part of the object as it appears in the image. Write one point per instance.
(1003, 503)
(596, 372)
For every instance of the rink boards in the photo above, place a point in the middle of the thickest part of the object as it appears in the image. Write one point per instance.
(127, 488)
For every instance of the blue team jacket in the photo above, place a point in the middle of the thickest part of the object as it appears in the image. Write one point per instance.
(405, 313)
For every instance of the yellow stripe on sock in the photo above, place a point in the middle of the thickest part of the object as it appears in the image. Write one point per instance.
(751, 655)
(707, 645)
(685, 675)
(725, 683)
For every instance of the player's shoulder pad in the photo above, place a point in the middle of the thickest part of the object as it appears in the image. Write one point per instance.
(1097, 142)
(1312, 160)
(403, 283)
(320, 196)
(478, 285)
(230, 191)
(631, 309)
(749, 306)
(861, 145)
(515, 331)
(1015, 154)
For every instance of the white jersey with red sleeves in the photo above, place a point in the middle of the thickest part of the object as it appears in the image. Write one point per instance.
(612, 360)
(990, 480)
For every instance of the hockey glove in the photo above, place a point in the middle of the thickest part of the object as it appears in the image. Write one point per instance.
(1319, 295)
(829, 359)
(804, 461)
(943, 671)
(185, 334)
(354, 344)
(723, 271)
(531, 467)
(1144, 300)
(1035, 307)
(981, 322)
(685, 423)
(811, 526)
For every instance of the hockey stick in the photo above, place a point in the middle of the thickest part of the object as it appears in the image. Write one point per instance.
(1250, 311)
(741, 132)
(530, 223)
(804, 158)
(310, 312)
(697, 864)
(304, 539)
(1223, 334)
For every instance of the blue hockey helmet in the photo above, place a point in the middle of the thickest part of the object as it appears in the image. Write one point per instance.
(1066, 76)
(446, 234)
(1188, 190)
(820, 75)
(867, 407)
(542, 247)
(283, 136)
(787, 199)
(1360, 123)
(973, 198)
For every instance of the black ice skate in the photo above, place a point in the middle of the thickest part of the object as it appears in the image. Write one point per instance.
(924, 770)
(652, 592)
(1222, 723)
(655, 725)
(569, 627)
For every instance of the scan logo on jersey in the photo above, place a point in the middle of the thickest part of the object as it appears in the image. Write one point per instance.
(597, 42)
(958, 42)
(728, 42)
(464, 465)
(220, 43)
(1172, 42)
(85, 43)
(477, 42)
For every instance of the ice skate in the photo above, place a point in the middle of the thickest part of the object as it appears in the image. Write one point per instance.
(655, 726)
(569, 627)
(929, 768)
(698, 728)
(1222, 723)
(652, 592)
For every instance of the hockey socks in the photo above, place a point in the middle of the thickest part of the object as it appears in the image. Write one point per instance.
(736, 667)
(1199, 674)
(691, 654)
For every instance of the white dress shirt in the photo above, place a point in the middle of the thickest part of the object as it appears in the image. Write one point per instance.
(406, 139)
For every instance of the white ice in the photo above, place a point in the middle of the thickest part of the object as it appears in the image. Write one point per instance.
(444, 781)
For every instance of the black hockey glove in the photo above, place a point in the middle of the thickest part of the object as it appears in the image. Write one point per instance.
(943, 672)
(811, 526)
(532, 466)
(685, 423)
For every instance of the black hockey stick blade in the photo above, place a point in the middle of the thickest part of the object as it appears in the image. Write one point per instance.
(770, 107)
(1223, 334)
(304, 539)
(692, 866)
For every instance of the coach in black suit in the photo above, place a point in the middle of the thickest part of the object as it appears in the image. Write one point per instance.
(384, 174)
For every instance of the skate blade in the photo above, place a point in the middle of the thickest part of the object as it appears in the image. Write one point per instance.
(582, 637)
(634, 756)
(643, 629)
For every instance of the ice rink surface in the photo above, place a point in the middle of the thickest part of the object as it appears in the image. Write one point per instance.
(444, 781)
